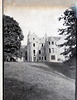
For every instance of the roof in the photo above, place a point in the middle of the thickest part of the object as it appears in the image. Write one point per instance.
(57, 38)
(53, 38)
(42, 40)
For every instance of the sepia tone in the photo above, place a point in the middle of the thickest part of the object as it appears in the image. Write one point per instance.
(34, 68)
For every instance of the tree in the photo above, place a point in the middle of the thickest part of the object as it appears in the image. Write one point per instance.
(69, 31)
(12, 38)
(76, 58)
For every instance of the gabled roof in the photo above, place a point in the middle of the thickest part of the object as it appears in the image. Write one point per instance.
(57, 38)
(33, 34)
(53, 38)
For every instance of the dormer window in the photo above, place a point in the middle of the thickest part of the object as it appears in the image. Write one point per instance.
(52, 43)
(33, 38)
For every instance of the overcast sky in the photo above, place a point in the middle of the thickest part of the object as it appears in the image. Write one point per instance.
(38, 16)
(41, 2)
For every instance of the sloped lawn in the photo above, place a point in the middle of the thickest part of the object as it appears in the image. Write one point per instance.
(36, 81)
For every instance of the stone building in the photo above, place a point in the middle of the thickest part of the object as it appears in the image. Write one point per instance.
(43, 49)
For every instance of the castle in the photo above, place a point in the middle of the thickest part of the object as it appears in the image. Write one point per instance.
(43, 49)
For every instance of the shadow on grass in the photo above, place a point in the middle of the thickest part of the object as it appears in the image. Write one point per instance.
(16, 90)
(63, 68)
(59, 67)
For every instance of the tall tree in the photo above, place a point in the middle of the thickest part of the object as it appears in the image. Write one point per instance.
(12, 38)
(76, 68)
(69, 31)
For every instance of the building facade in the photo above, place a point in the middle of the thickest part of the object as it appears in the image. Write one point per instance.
(43, 49)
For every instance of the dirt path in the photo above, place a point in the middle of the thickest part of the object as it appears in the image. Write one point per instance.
(39, 82)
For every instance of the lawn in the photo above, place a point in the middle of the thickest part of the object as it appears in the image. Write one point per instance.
(36, 81)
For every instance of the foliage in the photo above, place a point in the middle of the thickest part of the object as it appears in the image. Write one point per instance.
(12, 38)
(69, 31)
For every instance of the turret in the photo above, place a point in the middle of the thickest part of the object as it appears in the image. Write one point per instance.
(28, 37)
(46, 45)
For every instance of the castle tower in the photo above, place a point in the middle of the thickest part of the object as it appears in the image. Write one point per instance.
(45, 37)
(45, 46)
(28, 37)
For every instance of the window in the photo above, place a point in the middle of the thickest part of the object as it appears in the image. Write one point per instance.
(42, 58)
(45, 57)
(33, 44)
(52, 50)
(39, 51)
(33, 38)
(49, 43)
(42, 45)
(49, 50)
(52, 43)
(39, 58)
(53, 57)
(34, 51)
(34, 58)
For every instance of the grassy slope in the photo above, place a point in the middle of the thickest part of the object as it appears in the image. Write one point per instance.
(36, 81)
(66, 69)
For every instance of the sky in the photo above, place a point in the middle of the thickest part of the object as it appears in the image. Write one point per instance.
(37, 16)
(40, 2)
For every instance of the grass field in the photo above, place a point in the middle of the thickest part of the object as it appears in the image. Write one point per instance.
(36, 81)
